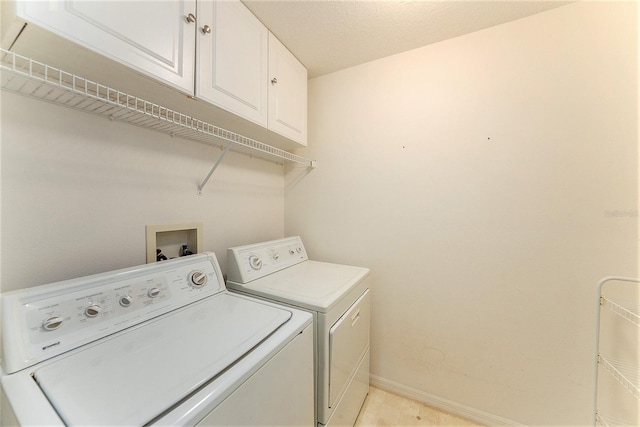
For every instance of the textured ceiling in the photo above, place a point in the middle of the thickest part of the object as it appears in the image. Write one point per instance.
(330, 35)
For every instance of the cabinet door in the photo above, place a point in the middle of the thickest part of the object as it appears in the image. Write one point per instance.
(232, 59)
(287, 93)
(154, 38)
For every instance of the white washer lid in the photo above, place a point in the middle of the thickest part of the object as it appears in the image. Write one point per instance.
(313, 285)
(135, 376)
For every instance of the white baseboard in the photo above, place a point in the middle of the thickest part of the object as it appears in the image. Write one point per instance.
(438, 402)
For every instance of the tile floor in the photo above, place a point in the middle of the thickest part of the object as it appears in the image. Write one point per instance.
(382, 408)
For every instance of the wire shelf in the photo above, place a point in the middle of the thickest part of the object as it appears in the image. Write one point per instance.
(25, 76)
(607, 421)
(625, 373)
(627, 309)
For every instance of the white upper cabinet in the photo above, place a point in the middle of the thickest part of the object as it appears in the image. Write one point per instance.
(215, 51)
(244, 69)
(232, 59)
(287, 93)
(155, 38)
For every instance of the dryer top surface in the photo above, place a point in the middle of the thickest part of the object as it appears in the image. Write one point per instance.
(313, 285)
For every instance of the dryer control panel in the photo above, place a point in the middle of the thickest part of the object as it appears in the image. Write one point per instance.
(251, 262)
(44, 321)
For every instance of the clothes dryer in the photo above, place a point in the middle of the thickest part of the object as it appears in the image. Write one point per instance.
(337, 296)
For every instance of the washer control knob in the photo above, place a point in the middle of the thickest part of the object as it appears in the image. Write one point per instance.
(291, 252)
(52, 323)
(93, 310)
(275, 256)
(197, 279)
(299, 249)
(126, 300)
(153, 292)
(255, 262)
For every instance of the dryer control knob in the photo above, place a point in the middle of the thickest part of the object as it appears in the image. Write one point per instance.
(197, 279)
(126, 300)
(275, 256)
(153, 292)
(52, 323)
(255, 262)
(93, 310)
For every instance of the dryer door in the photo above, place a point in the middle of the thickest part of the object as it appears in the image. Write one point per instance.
(348, 342)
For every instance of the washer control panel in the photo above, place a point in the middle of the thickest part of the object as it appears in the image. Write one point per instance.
(44, 321)
(83, 309)
(251, 262)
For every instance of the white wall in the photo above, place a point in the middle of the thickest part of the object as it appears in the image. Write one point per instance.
(78, 190)
(489, 181)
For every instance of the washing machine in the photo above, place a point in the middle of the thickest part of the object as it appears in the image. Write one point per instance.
(158, 344)
(338, 297)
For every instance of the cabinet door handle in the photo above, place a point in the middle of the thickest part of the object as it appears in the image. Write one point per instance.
(206, 29)
(274, 81)
(191, 18)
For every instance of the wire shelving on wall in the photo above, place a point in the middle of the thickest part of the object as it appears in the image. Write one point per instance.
(624, 371)
(28, 77)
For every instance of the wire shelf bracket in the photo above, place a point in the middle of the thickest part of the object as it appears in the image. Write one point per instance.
(25, 76)
(214, 167)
